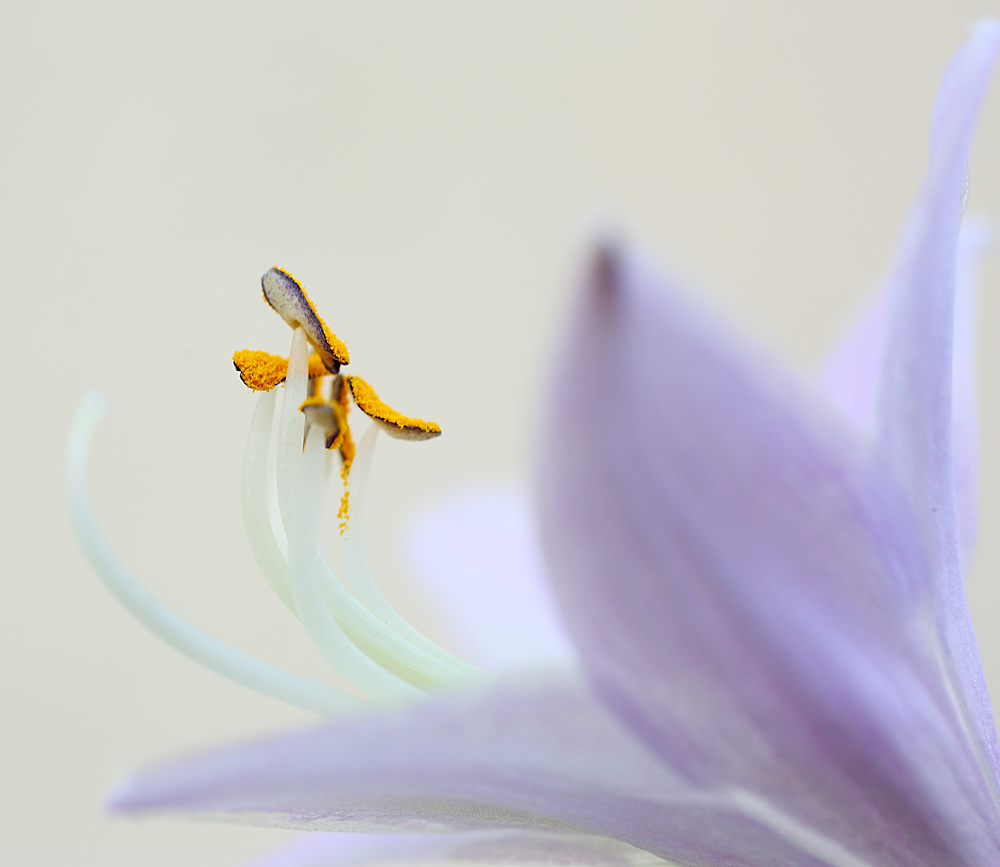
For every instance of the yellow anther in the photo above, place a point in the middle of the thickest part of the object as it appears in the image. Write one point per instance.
(285, 294)
(262, 371)
(392, 422)
(330, 416)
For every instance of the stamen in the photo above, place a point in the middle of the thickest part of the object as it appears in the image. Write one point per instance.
(285, 294)
(366, 641)
(393, 423)
(202, 648)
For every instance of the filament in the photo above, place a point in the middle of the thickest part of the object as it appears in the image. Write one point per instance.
(359, 572)
(177, 632)
(307, 591)
(291, 421)
(257, 521)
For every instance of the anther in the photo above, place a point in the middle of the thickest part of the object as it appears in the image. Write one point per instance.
(393, 423)
(262, 371)
(285, 294)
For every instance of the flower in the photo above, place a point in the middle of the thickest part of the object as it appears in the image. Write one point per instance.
(763, 584)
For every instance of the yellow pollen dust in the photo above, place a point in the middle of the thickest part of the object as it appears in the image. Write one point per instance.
(370, 404)
(337, 346)
(346, 446)
(341, 406)
(344, 512)
(262, 371)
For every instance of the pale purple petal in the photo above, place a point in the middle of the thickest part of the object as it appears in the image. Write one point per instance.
(743, 585)
(851, 375)
(542, 758)
(915, 403)
(974, 239)
(915, 408)
(479, 557)
(465, 847)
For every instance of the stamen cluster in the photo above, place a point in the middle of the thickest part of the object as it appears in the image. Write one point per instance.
(355, 629)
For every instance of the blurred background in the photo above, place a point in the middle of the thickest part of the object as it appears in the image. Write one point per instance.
(426, 171)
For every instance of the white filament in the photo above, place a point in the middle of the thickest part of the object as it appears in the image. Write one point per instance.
(291, 422)
(177, 632)
(257, 522)
(307, 590)
(360, 575)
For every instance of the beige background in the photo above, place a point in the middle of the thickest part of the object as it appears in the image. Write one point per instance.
(424, 169)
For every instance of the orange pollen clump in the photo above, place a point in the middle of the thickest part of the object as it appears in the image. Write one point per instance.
(370, 404)
(337, 346)
(260, 371)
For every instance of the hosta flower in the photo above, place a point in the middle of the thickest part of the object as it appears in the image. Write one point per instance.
(762, 583)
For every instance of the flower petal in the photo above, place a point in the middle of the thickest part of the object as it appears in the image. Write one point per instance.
(915, 406)
(974, 240)
(479, 556)
(851, 376)
(743, 585)
(915, 402)
(544, 757)
(466, 847)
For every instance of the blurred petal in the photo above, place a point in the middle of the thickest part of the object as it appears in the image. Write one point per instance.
(851, 376)
(541, 758)
(468, 847)
(743, 585)
(915, 404)
(479, 557)
(974, 240)
(915, 407)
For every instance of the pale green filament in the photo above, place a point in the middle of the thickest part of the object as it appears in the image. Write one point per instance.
(177, 632)
(306, 583)
(256, 520)
(360, 575)
(291, 422)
